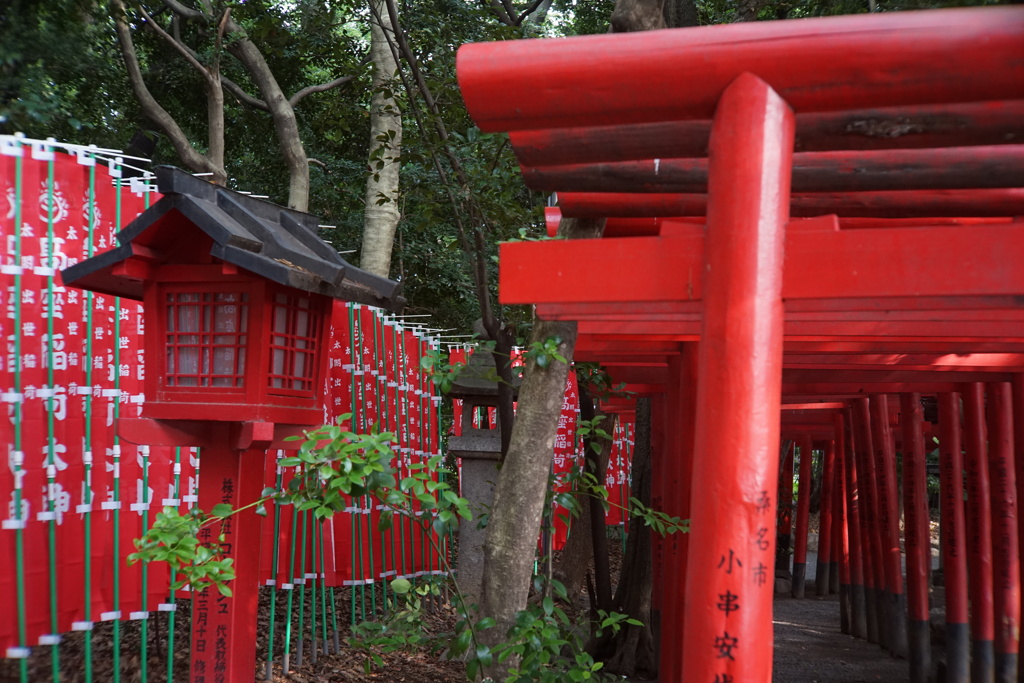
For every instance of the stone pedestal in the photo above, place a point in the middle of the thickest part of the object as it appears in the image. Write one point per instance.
(479, 475)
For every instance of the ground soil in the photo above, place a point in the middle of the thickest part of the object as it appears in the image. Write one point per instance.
(809, 647)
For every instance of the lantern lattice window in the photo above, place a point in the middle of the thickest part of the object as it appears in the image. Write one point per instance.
(206, 339)
(295, 327)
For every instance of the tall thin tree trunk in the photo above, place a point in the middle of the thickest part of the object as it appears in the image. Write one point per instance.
(519, 495)
(382, 214)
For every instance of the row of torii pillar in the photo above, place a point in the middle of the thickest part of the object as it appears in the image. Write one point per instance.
(804, 217)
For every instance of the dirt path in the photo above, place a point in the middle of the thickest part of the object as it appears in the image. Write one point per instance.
(810, 649)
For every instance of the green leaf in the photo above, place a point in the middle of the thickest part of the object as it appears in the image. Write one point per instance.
(221, 511)
(261, 510)
(224, 590)
(401, 586)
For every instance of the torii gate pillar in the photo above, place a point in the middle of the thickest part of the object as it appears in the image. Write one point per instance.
(728, 621)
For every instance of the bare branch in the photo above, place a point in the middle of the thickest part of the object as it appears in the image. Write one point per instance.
(309, 90)
(528, 11)
(319, 163)
(188, 155)
(509, 9)
(500, 12)
(243, 96)
(169, 39)
(183, 11)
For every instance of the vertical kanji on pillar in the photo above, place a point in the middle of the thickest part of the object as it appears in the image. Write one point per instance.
(728, 620)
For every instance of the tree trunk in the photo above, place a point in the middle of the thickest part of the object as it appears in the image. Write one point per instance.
(519, 495)
(281, 111)
(382, 214)
(631, 652)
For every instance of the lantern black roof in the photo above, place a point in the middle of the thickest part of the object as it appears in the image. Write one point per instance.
(271, 241)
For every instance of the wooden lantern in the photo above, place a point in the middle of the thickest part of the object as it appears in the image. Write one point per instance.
(238, 296)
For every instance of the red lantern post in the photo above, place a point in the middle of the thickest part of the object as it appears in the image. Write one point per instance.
(238, 295)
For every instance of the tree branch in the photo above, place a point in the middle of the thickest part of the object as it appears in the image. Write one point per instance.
(528, 11)
(179, 47)
(310, 89)
(183, 11)
(243, 97)
(500, 12)
(152, 109)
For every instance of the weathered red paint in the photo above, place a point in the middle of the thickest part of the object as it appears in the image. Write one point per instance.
(889, 525)
(1005, 557)
(803, 511)
(822, 574)
(931, 125)
(979, 536)
(954, 168)
(878, 204)
(824, 64)
(918, 538)
(739, 387)
(954, 539)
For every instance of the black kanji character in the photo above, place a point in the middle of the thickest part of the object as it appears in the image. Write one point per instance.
(725, 644)
(728, 602)
(732, 558)
(762, 542)
(760, 574)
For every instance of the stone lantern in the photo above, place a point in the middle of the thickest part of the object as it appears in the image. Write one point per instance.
(479, 447)
(238, 296)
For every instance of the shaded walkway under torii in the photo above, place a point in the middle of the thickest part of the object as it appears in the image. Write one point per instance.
(899, 276)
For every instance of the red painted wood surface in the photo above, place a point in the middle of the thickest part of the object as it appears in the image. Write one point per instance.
(857, 543)
(803, 512)
(874, 566)
(1018, 455)
(825, 536)
(954, 536)
(931, 125)
(979, 532)
(841, 540)
(915, 507)
(889, 524)
(878, 204)
(954, 168)
(224, 629)
(1005, 556)
(738, 389)
(682, 404)
(918, 538)
(820, 264)
(823, 64)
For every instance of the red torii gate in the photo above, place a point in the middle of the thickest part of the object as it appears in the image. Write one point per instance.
(904, 116)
